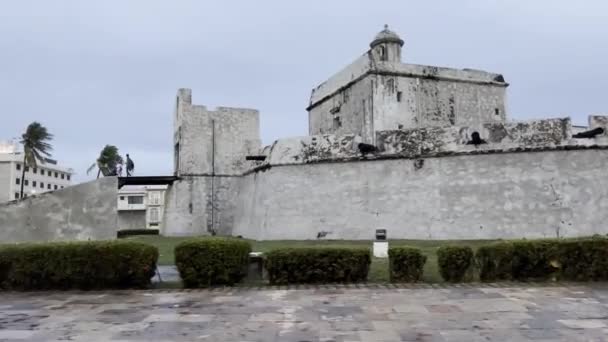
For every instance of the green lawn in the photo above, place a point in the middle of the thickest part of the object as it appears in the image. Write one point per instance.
(379, 267)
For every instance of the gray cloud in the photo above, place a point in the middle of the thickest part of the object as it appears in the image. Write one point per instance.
(107, 72)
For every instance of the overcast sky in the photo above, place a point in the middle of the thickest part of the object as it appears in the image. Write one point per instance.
(106, 72)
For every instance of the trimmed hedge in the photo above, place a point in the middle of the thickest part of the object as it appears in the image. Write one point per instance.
(317, 265)
(585, 259)
(518, 260)
(134, 232)
(571, 259)
(209, 261)
(77, 265)
(406, 264)
(454, 262)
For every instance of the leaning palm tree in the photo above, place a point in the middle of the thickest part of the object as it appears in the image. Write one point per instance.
(36, 148)
(108, 162)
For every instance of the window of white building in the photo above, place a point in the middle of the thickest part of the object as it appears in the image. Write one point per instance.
(154, 197)
(135, 199)
(154, 215)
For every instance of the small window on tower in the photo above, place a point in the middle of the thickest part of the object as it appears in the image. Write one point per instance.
(496, 111)
(337, 123)
(383, 54)
(398, 96)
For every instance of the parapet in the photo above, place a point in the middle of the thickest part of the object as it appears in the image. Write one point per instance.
(436, 141)
(548, 132)
(303, 150)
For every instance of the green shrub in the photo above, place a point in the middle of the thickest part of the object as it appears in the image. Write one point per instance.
(134, 232)
(494, 261)
(406, 264)
(209, 261)
(454, 262)
(317, 265)
(77, 265)
(519, 260)
(584, 259)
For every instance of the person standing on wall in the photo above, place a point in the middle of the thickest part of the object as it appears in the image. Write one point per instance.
(130, 166)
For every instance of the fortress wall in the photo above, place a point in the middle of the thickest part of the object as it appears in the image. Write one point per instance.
(193, 203)
(347, 112)
(433, 102)
(490, 196)
(81, 212)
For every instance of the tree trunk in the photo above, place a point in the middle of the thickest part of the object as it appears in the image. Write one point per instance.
(22, 177)
(98, 172)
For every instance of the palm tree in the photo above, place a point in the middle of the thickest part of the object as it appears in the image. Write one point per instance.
(36, 147)
(108, 161)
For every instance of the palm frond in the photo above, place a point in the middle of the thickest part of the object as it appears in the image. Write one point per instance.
(36, 144)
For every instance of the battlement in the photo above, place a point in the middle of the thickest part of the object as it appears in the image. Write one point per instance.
(213, 141)
(425, 142)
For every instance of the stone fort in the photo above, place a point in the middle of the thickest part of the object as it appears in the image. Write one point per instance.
(425, 152)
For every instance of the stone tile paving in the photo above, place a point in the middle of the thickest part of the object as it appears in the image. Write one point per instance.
(326, 313)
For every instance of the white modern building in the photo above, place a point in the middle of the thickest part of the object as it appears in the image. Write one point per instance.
(141, 206)
(47, 176)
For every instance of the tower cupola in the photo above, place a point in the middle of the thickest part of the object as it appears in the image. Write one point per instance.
(386, 46)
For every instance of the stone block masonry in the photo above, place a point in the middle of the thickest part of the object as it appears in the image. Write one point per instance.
(547, 194)
(85, 211)
(210, 147)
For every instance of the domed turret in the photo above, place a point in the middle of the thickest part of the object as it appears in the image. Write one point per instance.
(386, 36)
(387, 45)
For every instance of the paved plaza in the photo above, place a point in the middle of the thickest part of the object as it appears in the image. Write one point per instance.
(325, 313)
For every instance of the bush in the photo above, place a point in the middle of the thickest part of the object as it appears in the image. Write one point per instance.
(454, 262)
(585, 259)
(317, 265)
(204, 262)
(406, 264)
(77, 265)
(133, 232)
(519, 260)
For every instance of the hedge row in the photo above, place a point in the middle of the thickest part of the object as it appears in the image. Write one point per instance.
(77, 265)
(211, 261)
(317, 265)
(573, 259)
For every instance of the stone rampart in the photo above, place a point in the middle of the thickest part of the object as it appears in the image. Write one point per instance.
(85, 211)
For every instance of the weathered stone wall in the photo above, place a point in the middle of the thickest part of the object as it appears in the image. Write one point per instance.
(302, 150)
(210, 150)
(214, 142)
(498, 195)
(82, 212)
(350, 73)
(380, 102)
(191, 209)
(347, 112)
(549, 132)
(411, 102)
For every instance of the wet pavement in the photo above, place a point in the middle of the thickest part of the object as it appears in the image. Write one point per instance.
(324, 313)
